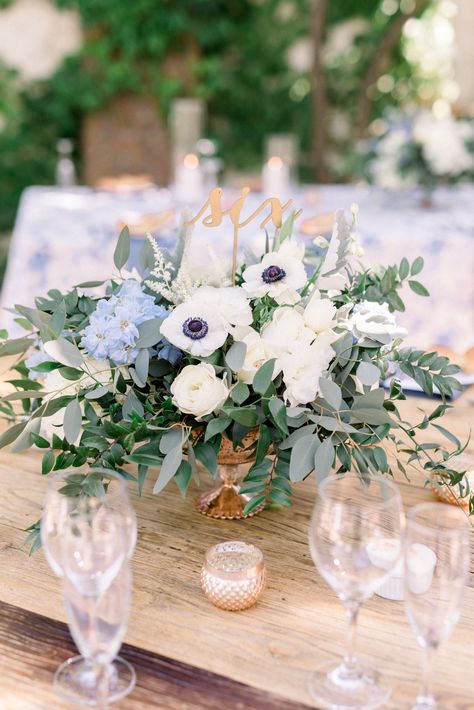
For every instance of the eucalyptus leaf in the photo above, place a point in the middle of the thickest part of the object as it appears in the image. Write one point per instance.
(149, 333)
(131, 404)
(235, 356)
(64, 352)
(418, 288)
(417, 266)
(216, 426)
(97, 393)
(240, 393)
(291, 440)
(207, 456)
(263, 377)
(11, 434)
(324, 459)
(331, 392)
(142, 363)
(368, 373)
(169, 467)
(170, 439)
(72, 421)
(15, 346)
(122, 250)
(302, 457)
(278, 411)
(242, 415)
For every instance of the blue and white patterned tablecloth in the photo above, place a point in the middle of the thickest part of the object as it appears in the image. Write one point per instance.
(63, 237)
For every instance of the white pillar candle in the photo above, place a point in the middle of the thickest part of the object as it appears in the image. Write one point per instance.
(420, 565)
(276, 178)
(189, 180)
(384, 552)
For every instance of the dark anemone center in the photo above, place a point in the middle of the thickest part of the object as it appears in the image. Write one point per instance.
(195, 328)
(273, 273)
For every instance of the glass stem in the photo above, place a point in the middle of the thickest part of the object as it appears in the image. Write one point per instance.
(350, 658)
(427, 675)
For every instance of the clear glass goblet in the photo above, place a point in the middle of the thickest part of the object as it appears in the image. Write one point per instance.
(65, 491)
(436, 554)
(355, 540)
(89, 531)
(97, 624)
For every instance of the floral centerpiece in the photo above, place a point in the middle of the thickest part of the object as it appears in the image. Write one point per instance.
(281, 359)
(422, 150)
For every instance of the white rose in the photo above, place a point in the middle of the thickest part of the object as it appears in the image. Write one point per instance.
(258, 352)
(286, 327)
(374, 320)
(198, 391)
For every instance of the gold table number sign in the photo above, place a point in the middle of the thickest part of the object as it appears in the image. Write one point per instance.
(216, 214)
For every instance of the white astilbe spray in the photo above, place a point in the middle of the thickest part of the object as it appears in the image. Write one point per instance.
(174, 289)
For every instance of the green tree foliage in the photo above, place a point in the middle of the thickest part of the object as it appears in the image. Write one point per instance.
(236, 54)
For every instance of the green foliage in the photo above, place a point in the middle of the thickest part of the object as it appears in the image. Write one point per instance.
(125, 418)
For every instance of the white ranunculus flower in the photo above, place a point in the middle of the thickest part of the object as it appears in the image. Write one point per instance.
(195, 328)
(280, 274)
(374, 320)
(258, 352)
(197, 390)
(320, 314)
(230, 301)
(286, 328)
(302, 367)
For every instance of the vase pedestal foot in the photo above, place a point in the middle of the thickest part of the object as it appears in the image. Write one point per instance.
(225, 502)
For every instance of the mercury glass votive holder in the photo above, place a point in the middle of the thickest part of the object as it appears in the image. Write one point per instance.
(233, 576)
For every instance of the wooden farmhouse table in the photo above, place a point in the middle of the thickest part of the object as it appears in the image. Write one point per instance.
(190, 655)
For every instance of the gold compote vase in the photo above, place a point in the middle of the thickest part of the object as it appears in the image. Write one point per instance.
(226, 501)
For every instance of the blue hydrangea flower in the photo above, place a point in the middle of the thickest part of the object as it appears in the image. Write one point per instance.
(113, 327)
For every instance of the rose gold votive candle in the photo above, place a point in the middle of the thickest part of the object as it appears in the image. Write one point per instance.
(233, 576)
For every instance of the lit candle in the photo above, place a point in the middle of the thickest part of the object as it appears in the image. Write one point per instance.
(384, 552)
(189, 180)
(233, 576)
(420, 562)
(276, 178)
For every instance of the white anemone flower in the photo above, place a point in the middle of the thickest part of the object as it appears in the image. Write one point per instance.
(280, 274)
(230, 301)
(195, 328)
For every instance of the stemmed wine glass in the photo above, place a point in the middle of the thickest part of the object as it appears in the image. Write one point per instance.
(436, 554)
(88, 531)
(355, 540)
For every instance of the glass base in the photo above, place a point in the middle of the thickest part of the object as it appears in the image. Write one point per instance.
(77, 680)
(335, 687)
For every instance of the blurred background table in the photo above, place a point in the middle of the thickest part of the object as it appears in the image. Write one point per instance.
(190, 655)
(63, 237)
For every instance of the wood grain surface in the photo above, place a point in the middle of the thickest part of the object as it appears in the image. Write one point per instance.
(33, 646)
(271, 647)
